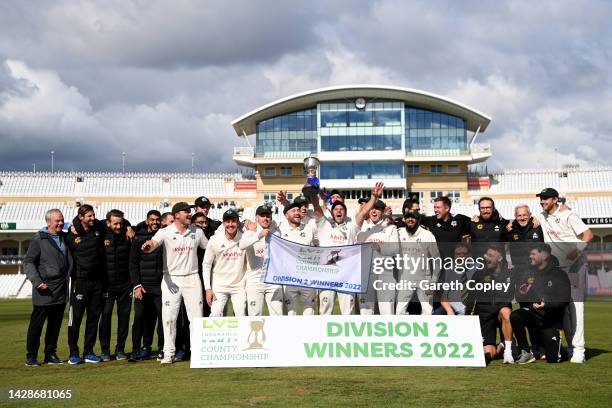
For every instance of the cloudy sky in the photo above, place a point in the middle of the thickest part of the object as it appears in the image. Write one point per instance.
(162, 79)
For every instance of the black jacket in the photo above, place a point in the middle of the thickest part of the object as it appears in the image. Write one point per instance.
(146, 269)
(520, 241)
(87, 248)
(117, 254)
(550, 285)
(494, 297)
(46, 263)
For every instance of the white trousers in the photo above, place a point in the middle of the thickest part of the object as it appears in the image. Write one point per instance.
(174, 288)
(404, 296)
(307, 296)
(345, 300)
(237, 295)
(384, 297)
(257, 292)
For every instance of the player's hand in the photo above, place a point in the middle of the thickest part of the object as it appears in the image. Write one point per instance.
(42, 286)
(210, 296)
(475, 218)
(509, 227)
(535, 221)
(130, 233)
(264, 233)
(538, 306)
(378, 189)
(73, 230)
(281, 197)
(250, 225)
(147, 246)
(139, 292)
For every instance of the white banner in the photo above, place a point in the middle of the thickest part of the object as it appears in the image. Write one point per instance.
(335, 268)
(295, 341)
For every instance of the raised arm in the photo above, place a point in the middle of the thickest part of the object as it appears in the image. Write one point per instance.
(376, 194)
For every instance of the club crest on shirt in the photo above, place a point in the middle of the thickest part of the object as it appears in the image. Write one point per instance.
(535, 235)
(107, 242)
(479, 226)
(77, 240)
(453, 224)
(515, 237)
(549, 284)
(497, 228)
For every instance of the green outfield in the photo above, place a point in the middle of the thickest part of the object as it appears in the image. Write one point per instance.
(147, 384)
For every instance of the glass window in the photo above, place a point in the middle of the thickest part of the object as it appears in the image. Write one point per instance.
(454, 196)
(360, 118)
(413, 169)
(435, 168)
(453, 168)
(270, 171)
(388, 118)
(286, 171)
(435, 194)
(333, 119)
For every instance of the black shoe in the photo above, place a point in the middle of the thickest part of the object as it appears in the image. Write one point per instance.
(53, 359)
(32, 362)
(134, 357)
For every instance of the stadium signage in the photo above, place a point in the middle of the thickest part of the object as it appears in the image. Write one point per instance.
(597, 220)
(8, 226)
(338, 268)
(312, 341)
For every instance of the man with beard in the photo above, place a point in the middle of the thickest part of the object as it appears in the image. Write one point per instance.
(119, 290)
(487, 228)
(567, 235)
(253, 242)
(202, 206)
(543, 294)
(411, 205)
(493, 307)
(89, 282)
(294, 230)
(181, 279)
(224, 269)
(146, 272)
(337, 231)
(383, 235)
(417, 242)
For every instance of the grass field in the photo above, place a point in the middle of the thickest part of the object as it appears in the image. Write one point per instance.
(147, 384)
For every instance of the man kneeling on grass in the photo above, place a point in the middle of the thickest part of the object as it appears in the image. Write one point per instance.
(543, 292)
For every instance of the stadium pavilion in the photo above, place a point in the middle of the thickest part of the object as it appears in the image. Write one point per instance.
(416, 142)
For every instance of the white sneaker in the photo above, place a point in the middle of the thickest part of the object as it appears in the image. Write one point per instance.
(578, 356)
(508, 359)
(167, 360)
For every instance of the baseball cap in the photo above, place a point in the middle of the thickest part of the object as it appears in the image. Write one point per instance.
(336, 191)
(338, 203)
(294, 204)
(363, 200)
(230, 214)
(548, 193)
(299, 200)
(380, 205)
(180, 206)
(263, 210)
(202, 202)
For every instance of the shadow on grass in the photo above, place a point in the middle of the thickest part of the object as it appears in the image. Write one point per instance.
(593, 352)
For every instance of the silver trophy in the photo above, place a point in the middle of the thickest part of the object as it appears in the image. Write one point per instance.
(312, 187)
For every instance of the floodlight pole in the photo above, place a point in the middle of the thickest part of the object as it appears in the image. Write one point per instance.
(52, 161)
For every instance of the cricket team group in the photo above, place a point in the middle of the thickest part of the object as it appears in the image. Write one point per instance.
(181, 265)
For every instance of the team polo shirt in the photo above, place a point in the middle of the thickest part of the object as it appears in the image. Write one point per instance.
(180, 250)
(561, 230)
(224, 263)
(330, 233)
